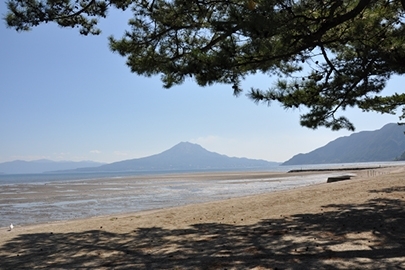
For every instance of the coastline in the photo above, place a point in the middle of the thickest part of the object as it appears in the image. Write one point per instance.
(351, 224)
(336, 169)
(31, 203)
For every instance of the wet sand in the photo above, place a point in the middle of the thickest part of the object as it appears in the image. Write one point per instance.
(31, 203)
(353, 224)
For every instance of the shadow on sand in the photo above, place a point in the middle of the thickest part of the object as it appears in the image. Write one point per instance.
(344, 236)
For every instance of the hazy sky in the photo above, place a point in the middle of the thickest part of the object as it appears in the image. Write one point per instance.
(64, 96)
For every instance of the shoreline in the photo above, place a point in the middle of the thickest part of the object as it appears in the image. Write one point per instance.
(25, 204)
(350, 224)
(339, 169)
(37, 193)
(163, 208)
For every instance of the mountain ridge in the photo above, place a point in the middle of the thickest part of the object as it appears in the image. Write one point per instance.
(184, 156)
(42, 166)
(385, 144)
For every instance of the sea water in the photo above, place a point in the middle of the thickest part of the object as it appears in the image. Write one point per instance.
(41, 198)
(52, 177)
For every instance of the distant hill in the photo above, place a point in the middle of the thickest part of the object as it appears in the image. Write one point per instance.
(385, 144)
(42, 165)
(184, 156)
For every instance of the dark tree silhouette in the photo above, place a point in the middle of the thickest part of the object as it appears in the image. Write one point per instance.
(327, 55)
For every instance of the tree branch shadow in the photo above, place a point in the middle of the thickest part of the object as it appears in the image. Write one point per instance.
(340, 236)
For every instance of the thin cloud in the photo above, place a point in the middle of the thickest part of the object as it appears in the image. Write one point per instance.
(27, 158)
(95, 152)
(120, 153)
(207, 140)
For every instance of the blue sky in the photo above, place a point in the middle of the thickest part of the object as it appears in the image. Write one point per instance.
(64, 96)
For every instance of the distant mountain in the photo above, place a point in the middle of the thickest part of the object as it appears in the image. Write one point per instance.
(385, 144)
(43, 165)
(184, 156)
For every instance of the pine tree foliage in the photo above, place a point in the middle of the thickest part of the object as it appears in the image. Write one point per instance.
(326, 55)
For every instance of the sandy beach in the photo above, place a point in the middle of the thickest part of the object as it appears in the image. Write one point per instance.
(352, 224)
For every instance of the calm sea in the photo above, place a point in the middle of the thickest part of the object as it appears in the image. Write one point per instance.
(52, 177)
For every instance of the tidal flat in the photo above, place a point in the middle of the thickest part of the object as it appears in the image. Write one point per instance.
(32, 203)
